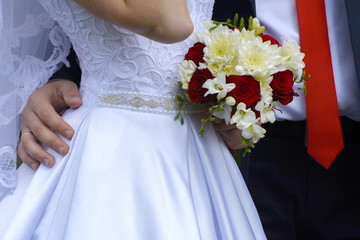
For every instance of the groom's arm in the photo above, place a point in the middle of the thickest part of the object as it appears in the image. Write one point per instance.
(42, 114)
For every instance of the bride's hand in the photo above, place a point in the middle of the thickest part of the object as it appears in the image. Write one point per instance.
(230, 133)
(40, 115)
(166, 21)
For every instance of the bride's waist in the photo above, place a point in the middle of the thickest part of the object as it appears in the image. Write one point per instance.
(136, 101)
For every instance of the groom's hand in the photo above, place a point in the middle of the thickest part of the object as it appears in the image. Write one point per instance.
(40, 118)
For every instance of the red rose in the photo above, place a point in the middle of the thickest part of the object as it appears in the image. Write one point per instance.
(196, 53)
(269, 38)
(282, 85)
(247, 90)
(196, 91)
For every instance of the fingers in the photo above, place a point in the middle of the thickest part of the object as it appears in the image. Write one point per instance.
(220, 125)
(230, 134)
(40, 119)
(27, 159)
(42, 116)
(45, 103)
(41, 131)
(232, 139)
(69, 92)
(37, 155)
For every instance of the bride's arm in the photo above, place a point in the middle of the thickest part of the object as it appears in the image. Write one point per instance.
(165, 21)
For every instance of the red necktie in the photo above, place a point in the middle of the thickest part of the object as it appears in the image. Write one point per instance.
(325, 139)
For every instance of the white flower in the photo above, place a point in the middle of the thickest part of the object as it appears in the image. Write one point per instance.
(267, 113)
(245, 120)
(221, 52)
(218, 85)
(230, 101)
(254, 132)
(291, 57)
(243, 117)
(186, 71)
(256, 24)
(202, 66)
(266, 91)
(225, 114)
(258, 59)
(246, 35)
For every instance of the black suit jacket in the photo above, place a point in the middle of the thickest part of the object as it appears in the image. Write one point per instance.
(224, 9)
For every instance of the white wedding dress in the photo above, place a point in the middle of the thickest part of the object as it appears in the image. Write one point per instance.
(132, 171)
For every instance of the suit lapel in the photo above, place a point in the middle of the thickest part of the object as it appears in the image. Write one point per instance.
(353, 11)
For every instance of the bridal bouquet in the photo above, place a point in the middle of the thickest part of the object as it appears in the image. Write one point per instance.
(241, 74)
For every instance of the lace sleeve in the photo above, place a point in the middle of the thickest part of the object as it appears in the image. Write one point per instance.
(32, 46)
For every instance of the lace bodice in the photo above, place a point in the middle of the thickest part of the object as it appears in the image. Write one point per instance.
(117, 61)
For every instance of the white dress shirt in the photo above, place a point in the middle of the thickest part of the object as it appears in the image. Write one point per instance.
(280, 19)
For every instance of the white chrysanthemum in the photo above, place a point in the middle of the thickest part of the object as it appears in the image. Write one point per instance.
(245, 120)
(291, 57)
(221, 52)
(246, 35)
(186, 71)
(218, 86)
(267, 113)
(258, 59)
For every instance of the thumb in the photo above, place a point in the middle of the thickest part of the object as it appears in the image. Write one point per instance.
(70, 93)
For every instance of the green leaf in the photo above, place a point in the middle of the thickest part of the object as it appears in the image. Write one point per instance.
(213, 28)
(236, 18)
(219, 109)
(177, 97)
(259, 31)
(242, 23)
(201, 132)
(251, 21)
(177, 116)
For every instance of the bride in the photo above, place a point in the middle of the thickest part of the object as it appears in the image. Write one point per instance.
(132, 172)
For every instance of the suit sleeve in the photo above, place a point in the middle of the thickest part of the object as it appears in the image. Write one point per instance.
(73, 73)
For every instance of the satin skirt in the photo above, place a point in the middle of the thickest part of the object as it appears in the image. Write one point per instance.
(133, 175)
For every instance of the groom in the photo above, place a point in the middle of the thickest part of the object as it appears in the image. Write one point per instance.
(295, 197)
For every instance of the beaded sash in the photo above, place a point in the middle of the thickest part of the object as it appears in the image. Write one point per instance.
(148, 103)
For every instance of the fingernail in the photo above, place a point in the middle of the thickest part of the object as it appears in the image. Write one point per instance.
(61, 150)
(76, 99)
(46, 161)
(68, 134)
(33, 166)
